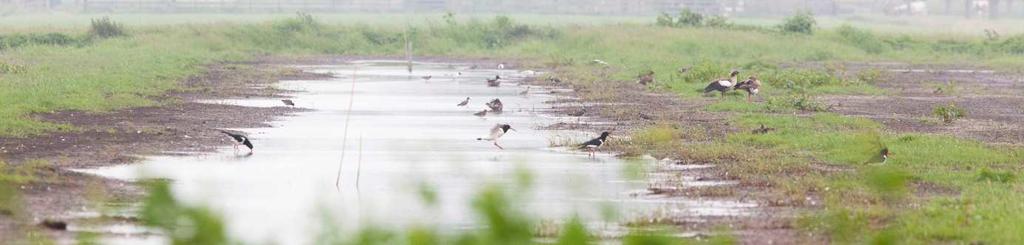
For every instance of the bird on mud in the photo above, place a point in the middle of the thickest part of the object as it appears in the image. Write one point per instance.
(240, 139)
(524, 93)
(762, 130)
(554, 80)
(496, 106)
(722, 85)
(496, 132)
(288, 102)
(595, 143)
(481, 113)
(751, 85)
(464, 102)
(884, 154)
(494, 82)
(577, 113)
(427, 78)
(645, 78)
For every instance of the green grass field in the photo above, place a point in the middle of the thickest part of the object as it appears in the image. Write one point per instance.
(869, 203)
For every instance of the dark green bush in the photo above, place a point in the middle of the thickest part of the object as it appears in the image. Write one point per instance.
(1013, 45)
(689, 18)
(801, 22)
(106, 28)
(665, 20)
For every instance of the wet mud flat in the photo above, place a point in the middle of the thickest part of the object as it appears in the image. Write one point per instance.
(178, 123)
(993, 101)
(405, 134)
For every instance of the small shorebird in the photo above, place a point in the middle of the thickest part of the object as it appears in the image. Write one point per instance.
(481, 113)
(240, 139)
(722, 85)
(501, 66)
(494, 82)
(524, 93)
(885, 154)
(427, 78)
(645, 78)
(496, 106)
(555, 80)
(496, 132)
(464, 102)
(595, 143)
(762, 130)
(751, 85)
(578, 113)
(288, 102)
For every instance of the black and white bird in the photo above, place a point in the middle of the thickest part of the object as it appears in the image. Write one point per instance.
(288, 102)
(464, 102)
(494, 82)
(722, 85)
(595, 143)
(751, 85)
(885, 154)
(240, 139)
(496, 132)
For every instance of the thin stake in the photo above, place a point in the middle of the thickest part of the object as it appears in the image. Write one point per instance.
(359, 162)
(344, 137)
(408, 51)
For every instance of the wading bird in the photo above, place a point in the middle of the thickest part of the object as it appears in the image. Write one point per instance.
(751, 85)
(427, 78)
(595, 143)
(288, 102)
(722, 85)
(464, 102)
(481, 113)
(240, 139)
(496, 132)
(494, 82)
(496, 106)
(524, 93)
(645, 78)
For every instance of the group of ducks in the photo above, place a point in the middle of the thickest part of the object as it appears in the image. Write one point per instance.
(752, 85)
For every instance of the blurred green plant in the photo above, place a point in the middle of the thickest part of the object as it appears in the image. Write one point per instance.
(802, 23)
(106, 28)
(950, 113)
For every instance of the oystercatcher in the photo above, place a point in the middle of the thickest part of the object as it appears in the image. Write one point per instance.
(595, 143)
(722, 85)
(240, 139)
(288, 102)
(496, 132)
(464, 102)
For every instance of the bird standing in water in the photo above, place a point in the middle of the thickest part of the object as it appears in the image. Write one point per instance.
(494, 82)
(464, 102)
(496, 106)
(496, 132)
(427, 78)
(481, 113)
(524, 93)
(240, 139)
(288, 102)
(595, 143)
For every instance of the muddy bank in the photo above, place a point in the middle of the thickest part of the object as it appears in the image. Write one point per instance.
(179, 124)
(623, 107)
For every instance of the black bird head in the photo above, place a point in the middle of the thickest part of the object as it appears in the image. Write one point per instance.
(605, 134)
(506, 128)
(734, 73)
(885, 152)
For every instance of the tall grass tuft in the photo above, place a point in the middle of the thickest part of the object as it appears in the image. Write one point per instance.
(802, 23)
(106, 28)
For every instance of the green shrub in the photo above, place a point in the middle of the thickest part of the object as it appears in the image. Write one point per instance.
(987, 175)
(718, 22)
(1013, 45)
(689, 18)
(950, 113)
(862, 39)
(665, 20)
(106, 28)
(801, 22)
(302, 22)
(797, 102)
